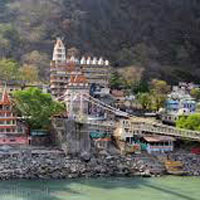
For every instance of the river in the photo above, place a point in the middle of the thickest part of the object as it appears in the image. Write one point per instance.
(164, 188)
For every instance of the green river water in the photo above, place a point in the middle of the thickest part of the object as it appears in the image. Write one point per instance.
(164, 188)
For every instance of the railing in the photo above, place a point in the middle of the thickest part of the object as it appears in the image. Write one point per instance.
(100, 124)
(58, 81)
(137, 128)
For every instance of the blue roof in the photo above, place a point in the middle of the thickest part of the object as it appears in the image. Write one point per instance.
(172, 101)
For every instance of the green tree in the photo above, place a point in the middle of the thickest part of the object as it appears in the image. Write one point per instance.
(36, 107)
(116, 81)
(159, 87)
(141, 87)
(158, 101)
(198, 108)
(9, 70)
(145, 100)
(195, 93)
(192, 122)
(159, 91)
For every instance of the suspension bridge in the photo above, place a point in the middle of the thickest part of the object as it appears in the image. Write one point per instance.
(137, 126)
(127, 126)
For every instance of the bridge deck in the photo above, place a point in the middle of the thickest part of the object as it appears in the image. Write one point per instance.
(131, 127)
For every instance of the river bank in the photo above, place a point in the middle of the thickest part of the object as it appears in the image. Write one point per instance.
(56, 165)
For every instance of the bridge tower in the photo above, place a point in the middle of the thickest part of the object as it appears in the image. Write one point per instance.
(78, 86)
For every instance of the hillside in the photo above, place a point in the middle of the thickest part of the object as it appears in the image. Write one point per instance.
(163, 37)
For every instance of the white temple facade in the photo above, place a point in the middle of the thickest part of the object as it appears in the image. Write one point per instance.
(96, 70)
(59, 52)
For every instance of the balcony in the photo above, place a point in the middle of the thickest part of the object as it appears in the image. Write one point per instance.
(58, 81)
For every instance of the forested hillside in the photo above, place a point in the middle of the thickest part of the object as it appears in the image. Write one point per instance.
(161, 37)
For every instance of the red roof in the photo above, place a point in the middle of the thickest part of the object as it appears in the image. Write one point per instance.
(78, 78)
(5, 98)
(117, 93)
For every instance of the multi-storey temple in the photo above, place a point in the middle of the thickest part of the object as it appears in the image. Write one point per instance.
(12, 132)
(96, 71)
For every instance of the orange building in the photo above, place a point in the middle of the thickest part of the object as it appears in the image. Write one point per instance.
(12, 131)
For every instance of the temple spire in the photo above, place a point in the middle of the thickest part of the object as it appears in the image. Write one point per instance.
(59, 53)
(5, 97)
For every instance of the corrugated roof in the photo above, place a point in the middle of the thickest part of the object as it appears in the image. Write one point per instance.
(159, 139)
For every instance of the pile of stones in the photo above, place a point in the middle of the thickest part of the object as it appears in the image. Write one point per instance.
(191, 162)
(55, 165)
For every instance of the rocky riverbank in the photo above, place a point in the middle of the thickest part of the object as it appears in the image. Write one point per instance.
(191, 162)
(55, 165)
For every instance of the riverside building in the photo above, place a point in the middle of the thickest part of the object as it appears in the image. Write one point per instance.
(12, 131)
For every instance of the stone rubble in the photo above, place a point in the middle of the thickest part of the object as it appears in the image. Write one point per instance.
(191, 162)
(56, 165)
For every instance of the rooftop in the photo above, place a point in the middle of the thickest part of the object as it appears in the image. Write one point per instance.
(5, 100)
(159, 139)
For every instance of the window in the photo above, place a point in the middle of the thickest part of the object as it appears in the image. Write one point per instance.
(7, 107)
(2, 114)
(20, 130)
(8, 130)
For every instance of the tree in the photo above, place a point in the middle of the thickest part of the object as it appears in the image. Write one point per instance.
(9, 70)
(195, 92)
(39, 61)
(198, 108)
(116, 81)
(192, 122)
(131, 75)
(145, 100)
(36, 107)
(29, 73)
(5, 43)
(139, 36)
(159, 90)
(141, 87)
(159, 87)
(158, 101)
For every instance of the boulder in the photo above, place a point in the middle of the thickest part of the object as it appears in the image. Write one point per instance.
(85, 156)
